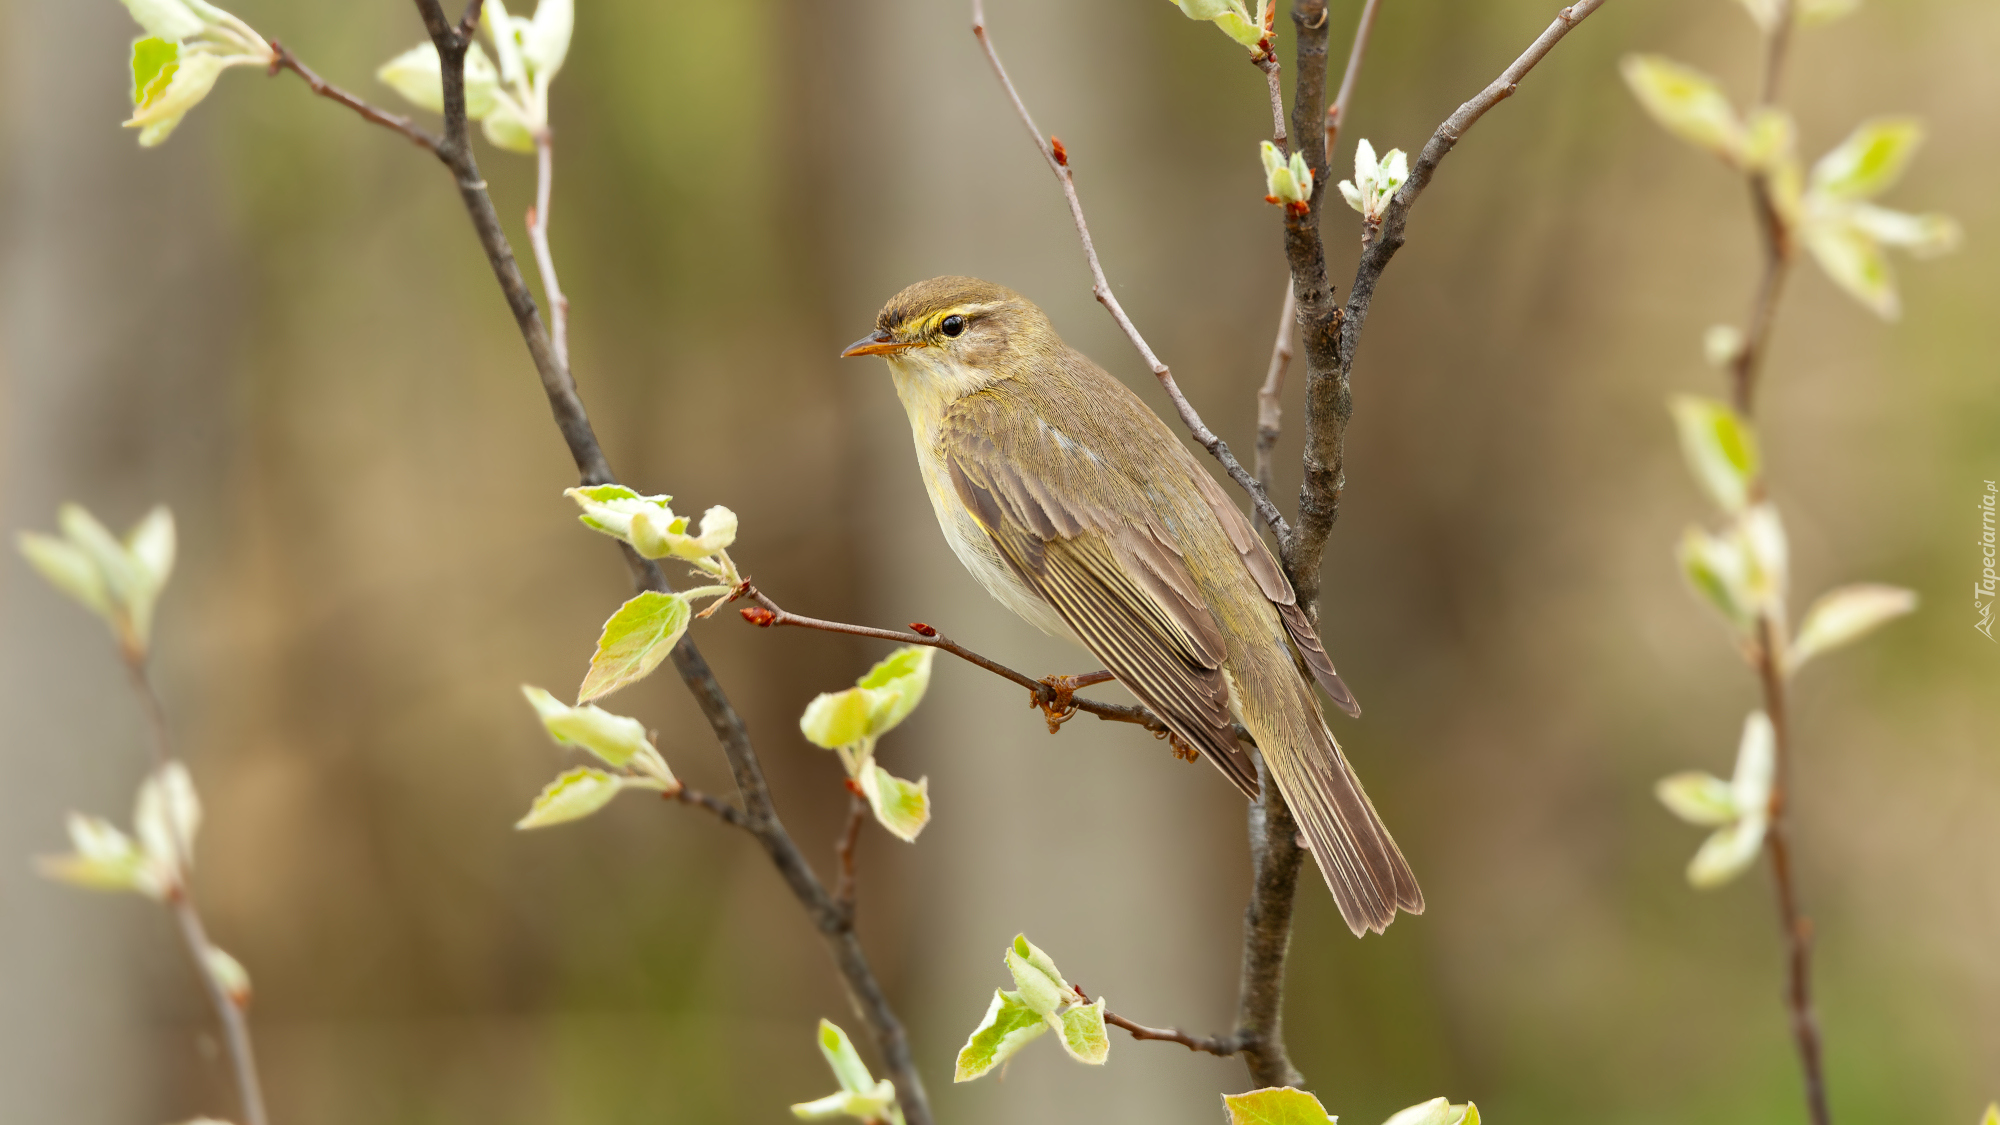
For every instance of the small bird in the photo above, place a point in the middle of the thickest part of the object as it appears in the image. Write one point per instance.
(1076, 507)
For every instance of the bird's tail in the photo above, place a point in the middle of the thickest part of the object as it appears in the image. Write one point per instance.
(1369, 878)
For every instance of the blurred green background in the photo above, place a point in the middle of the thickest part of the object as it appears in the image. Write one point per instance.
(280, 324)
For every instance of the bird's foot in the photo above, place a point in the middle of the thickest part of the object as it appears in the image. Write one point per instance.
(1182, 750)
(1056, 697)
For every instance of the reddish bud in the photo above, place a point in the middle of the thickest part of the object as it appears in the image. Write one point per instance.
(1062, 154)
(854, 787)
(759, 616)
(1270, 199)
(1297, 208)
(922, 630)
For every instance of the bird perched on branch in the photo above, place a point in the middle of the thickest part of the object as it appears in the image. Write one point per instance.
(1076, 507)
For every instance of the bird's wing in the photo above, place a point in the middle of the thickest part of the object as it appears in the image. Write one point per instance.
(1051, 507)
(1271, 580)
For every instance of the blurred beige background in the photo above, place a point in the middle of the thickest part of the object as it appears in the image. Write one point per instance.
(279, 324)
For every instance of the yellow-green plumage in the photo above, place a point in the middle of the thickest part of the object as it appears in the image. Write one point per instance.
(1081, 511)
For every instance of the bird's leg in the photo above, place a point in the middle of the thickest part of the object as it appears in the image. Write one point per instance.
(1056, 697)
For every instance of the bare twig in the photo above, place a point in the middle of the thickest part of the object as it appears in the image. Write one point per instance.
(843, 849)
(282, 59)
(724, 811)
(1274, 79)
(758, 814)
(1221, 1046)
(235, 1024)
(1045, 694)
(1336, 114)
(538, 237)
(1101, 289)
(1330, 359)
(1270, 396)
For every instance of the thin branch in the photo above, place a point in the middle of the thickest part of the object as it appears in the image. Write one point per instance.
(1046, 695)
(1274, 79)
(758, 812)
(843, 849)
(1336, 114)
(1329, 402)
(538, 237)
(1101, 289)
(282, 59)
(724, 811)
(1792, 922)
(1270, 397)
(1221, 1046)
(235, 1025)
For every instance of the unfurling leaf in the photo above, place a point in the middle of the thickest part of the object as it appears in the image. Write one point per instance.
(1276, 1105)
(229, 975)
(1285, 181)
(1855, 262)
(1768, 554)
(649, 524)
(105, 859)
(1844, 615)
(545, 39)
(506, 128)
(419, 77)
(1716, 570)
(1437, 1111)
(634, 641)
(1010, 1025)
(1041, 988)
(171, 20)
(1232, 17)
(1083, 1035)
(166, 818)
(572, 796)
(1726, 854)
(1687, 103)
(1720, 448)
(120, 582)
(836, 719)
(900, 679)
(1701, 799)
(1734, 846)
(860, 1096)
(616, 740)
(900, 806)
(1375, 182)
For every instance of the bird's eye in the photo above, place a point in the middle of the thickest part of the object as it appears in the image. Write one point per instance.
(952, 326)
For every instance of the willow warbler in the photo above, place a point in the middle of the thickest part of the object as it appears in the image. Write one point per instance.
(1073, 504)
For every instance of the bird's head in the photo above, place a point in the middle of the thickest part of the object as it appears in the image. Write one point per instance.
(956, 335)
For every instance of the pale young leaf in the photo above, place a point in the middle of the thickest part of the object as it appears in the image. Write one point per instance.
(506, 41)
(1869, 161)
(1040, 960)
(616, 740)
(1083, 1035)
(1811, 12)
(1925, 236)
(170, 20)
(150, 544)
(1276, 1105)
(902, 807)
(1701, 799)
(573, 795)
(166, 818)
(1230, 15)
(505, 128)
(1038, 989)
(1715, 569)
(545, 41)
(634, 641)
(1010, 1025)
(1437, 1111)
(1768, 555)
(69, 569)
(1727, 853)
(418, 76)
(1764, 13)
(836, 719)
(1756, 765)
(1722, 344)
(848, 1069)
(105, 859)
(1720, 448)
(1854, 260)
(229, 975)
(1687, 103)
(165, 105)
(1844, 615)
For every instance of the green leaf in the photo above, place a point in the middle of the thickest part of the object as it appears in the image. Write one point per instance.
(1231, 16)
(1039, 989)
(901, 807)
(1726, 854)
(1701, 799)
(1276, 1105)
(170, 20)
(836, 719)
(860, 1094)
(901, 678)
(171, 96)
(1033, 954)
(153, 64)
(1720, 448)
(848, 1069)
(634, 641)
(1083, 1033)
(573, 795)
(1869, 161)
(616, 740)
(1715, 570)
(1687, 103)
(1845, 615)
(1010, 1025)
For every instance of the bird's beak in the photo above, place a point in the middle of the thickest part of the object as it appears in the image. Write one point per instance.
(878, 342)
